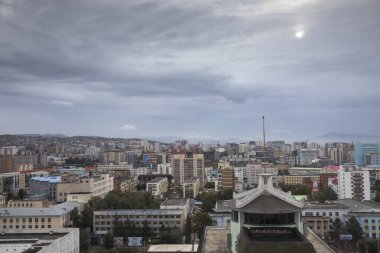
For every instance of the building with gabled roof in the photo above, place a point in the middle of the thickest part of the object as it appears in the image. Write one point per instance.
(266, 219)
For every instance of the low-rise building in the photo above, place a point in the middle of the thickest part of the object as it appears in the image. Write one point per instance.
(28, 203)
(319, 217)
(298, 179)
(62, 240)
(367, 213)
(158, 186)
(96, 186)
(155, 219)
(55, 216)
(124, 184)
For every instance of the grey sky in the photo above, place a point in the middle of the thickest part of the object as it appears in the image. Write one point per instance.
(194, 69)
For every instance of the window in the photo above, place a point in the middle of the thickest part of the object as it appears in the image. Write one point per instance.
(330, 213)
(36, 220)
(49, 226)
(30, 226)
(23, 220)
(42, 226)
(235, 216)
(365, 221)
(49, 219)
(336, 213)
(373, 221)
(42, 219)
(35, 226)
(30, 220)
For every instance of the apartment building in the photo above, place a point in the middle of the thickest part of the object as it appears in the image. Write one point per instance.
(187, 167)
(190, 187)
(124, 184)
(353, 183)
(12, 182)
(55, 216)
(157, 186)
(227, 180)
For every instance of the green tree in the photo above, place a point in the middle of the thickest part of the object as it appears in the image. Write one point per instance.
(75, 218)
(208, 200)
(87, 216)
(187, 230)
(84, 239)
(170, 236)
(353, 227)
(225, 194)
(21, 194)
(210, 185)
(200, 220)
(337, 228)
(108, 241)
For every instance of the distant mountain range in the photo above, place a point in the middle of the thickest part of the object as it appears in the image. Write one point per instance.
(330, 137)
(346, 137)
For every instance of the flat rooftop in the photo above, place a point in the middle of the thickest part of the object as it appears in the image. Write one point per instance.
(174, 202)
(215, 240)
(173, 248)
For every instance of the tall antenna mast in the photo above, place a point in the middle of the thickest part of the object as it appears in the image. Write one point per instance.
(264, 129)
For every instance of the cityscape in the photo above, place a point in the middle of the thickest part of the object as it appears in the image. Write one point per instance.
(202, 126)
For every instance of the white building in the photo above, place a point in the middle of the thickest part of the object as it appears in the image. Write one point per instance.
(240, 174)
(157, 186)
(353, 183)
(63, 240)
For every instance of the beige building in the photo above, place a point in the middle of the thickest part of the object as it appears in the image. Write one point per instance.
(96, 186)
(157, 186)
(55, 216)
(299, 179)
(187, 167)
(190, 188)
(124, 184)
(27, 203)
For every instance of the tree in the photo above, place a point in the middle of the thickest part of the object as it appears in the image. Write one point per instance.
(87, 217)
(200, 220)
(353, 227)
(75, 218)
(187, 230)
(84, 239)
(337, 228)
(326, 194)
(210, 185)
(21, 194)
(225, 194)
(108, 240)
(208, 200)
(170, 236)
(10, 196)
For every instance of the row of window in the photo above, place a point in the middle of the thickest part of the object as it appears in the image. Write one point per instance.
(24, 226)
(321, 214)
(137, 216)
(372, 221)
(24, 220)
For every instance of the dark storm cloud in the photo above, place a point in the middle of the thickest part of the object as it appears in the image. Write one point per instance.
(210, 60)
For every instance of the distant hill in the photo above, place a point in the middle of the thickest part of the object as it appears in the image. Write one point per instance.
(346, 137)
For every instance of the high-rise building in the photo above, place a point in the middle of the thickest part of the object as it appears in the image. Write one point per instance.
(353, 183)
(367, 153)
(187, 167)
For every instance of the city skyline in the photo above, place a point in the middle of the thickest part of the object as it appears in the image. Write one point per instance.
(196, 70)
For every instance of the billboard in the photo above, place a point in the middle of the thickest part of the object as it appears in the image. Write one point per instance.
(134, 241)
(345, 237)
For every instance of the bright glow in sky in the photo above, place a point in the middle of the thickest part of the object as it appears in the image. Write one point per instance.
(299, 34)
